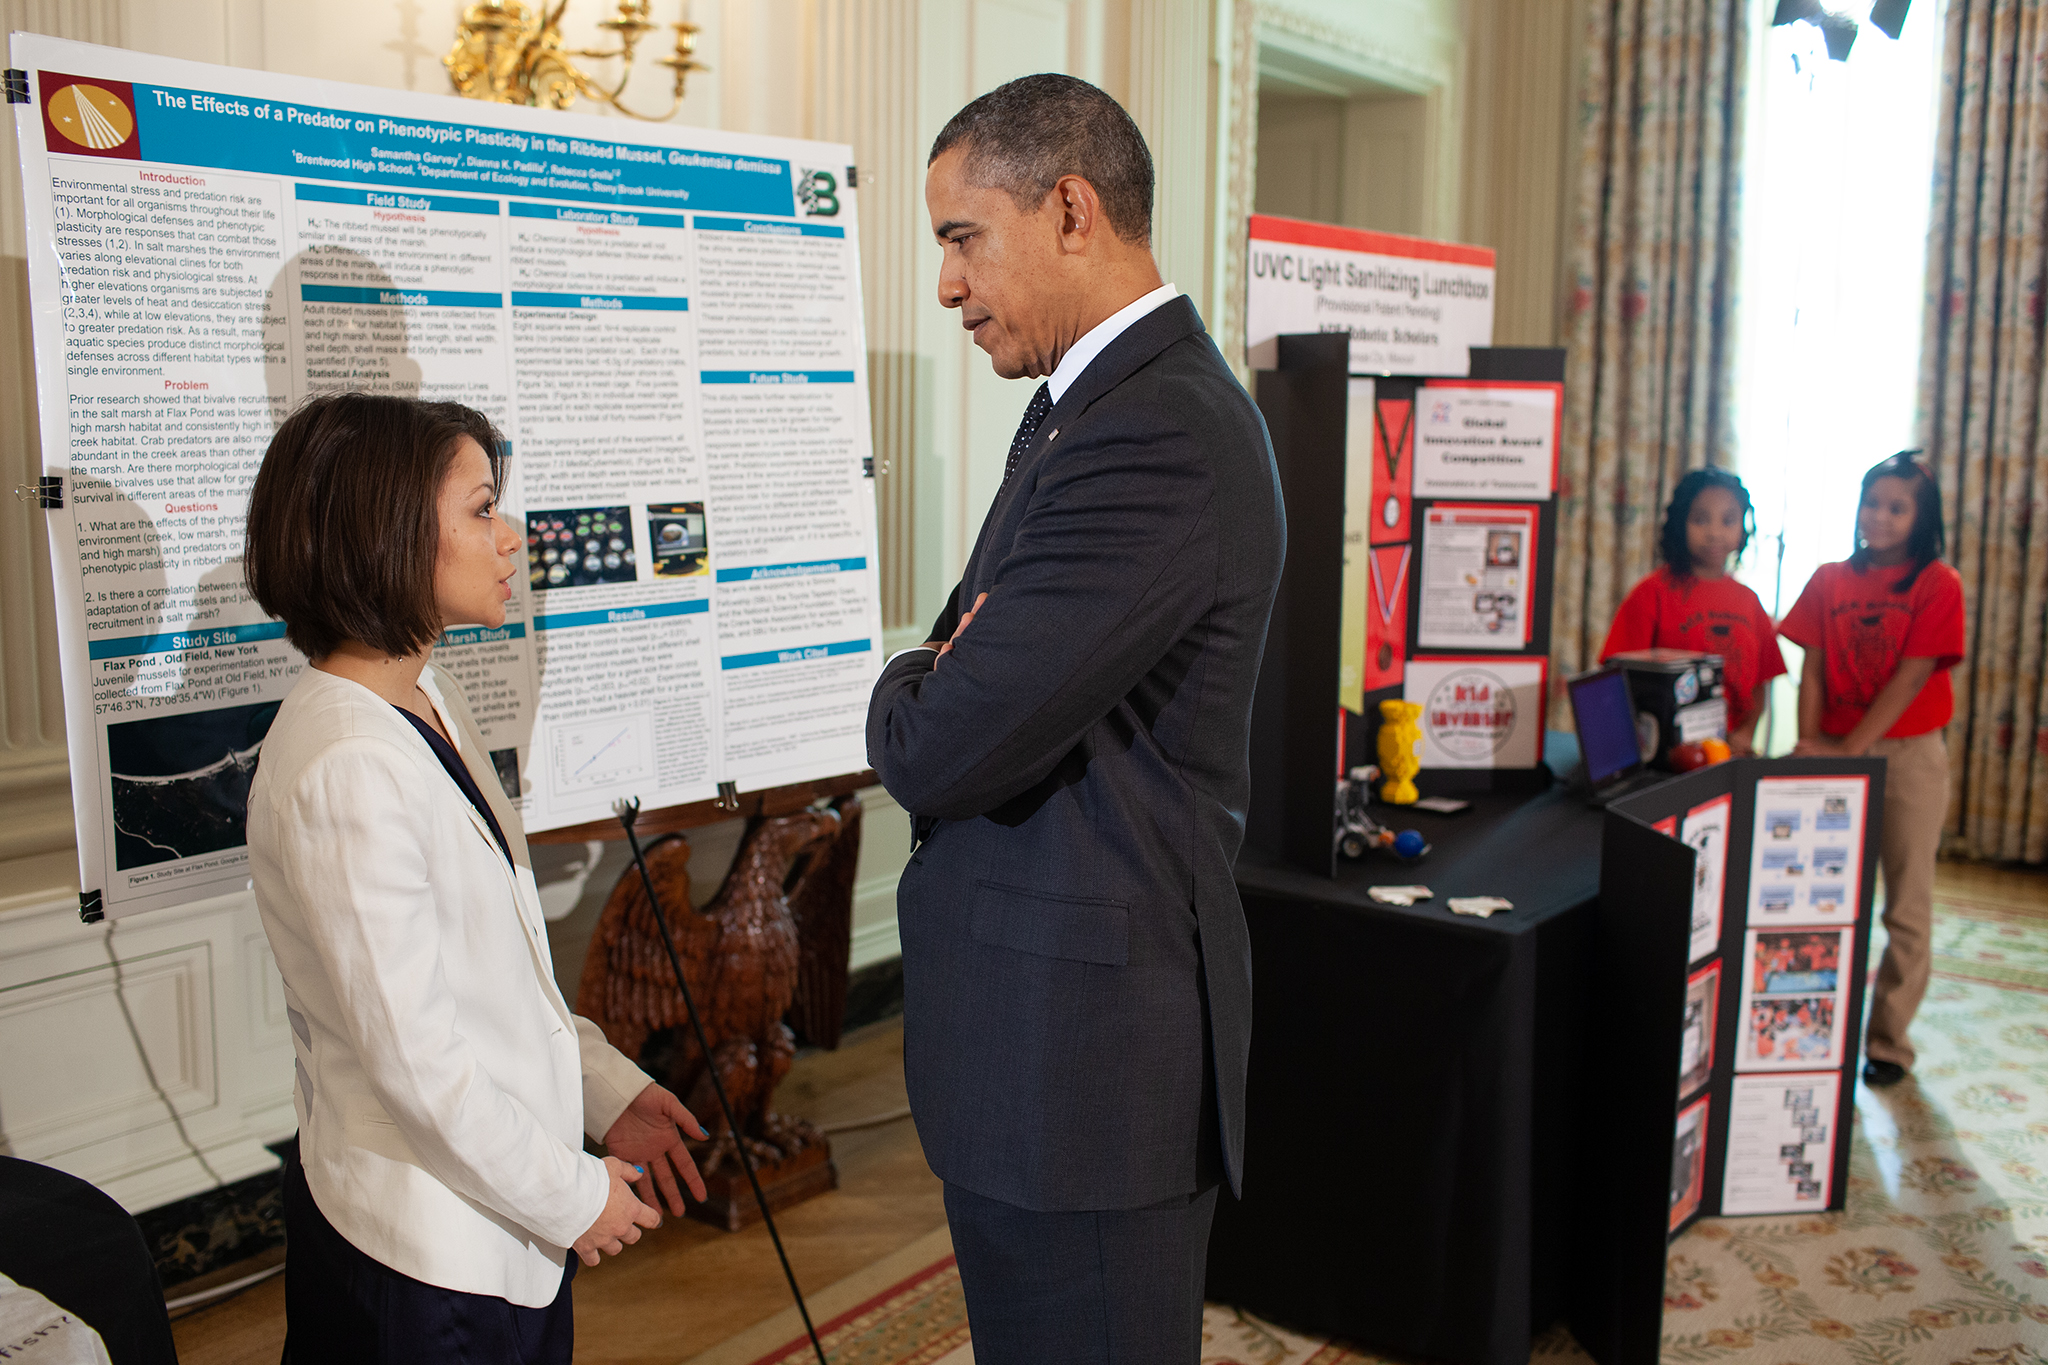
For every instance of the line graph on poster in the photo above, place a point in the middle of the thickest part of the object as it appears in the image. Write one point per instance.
(593, 755)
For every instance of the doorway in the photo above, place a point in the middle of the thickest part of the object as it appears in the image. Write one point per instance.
(1336, 146)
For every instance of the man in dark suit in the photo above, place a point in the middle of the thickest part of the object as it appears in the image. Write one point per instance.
(1073, 747)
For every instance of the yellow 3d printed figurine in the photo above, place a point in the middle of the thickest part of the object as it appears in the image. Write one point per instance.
(1400, 747)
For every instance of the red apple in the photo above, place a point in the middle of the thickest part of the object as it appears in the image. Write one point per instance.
(1686, 757)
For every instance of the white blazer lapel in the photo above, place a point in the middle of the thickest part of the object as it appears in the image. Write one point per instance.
(469, 746)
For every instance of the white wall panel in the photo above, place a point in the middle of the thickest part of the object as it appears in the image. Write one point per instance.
(149, 1055)
(157, 1012)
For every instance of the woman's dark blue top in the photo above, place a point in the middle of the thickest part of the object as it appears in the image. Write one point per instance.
(458, 770)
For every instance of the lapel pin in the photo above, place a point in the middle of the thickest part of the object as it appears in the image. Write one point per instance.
(1054, 435)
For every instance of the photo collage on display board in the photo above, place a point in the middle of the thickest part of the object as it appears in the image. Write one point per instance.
(1478, 576)
(1780, 1143)
(1706, 831)
(1702, 1011)
(1794, 996)
(1446, 552)
(1805, 855)
(1761, 1068)
(1689, 1163)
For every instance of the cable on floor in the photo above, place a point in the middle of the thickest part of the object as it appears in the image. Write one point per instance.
(221, 1291)
(872, 1121)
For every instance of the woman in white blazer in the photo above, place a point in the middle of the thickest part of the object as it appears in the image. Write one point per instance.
(444, 1089)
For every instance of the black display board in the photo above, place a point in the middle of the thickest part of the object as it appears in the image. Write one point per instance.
(1651, 971)
(1294, 741)
(1303, 737)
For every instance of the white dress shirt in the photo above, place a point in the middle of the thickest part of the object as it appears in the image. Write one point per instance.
(1098, 337)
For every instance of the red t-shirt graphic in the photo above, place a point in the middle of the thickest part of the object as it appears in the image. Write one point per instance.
(1707, 615)
(1866, 629)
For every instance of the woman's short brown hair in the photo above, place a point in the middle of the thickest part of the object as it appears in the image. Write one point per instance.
(344, 522)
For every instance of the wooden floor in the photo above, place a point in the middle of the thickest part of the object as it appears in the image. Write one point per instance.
(686, 1287)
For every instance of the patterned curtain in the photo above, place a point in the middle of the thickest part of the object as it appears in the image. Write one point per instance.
(1650, 324)
(1980, 410)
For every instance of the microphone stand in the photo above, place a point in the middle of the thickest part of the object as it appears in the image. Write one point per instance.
(628, 812)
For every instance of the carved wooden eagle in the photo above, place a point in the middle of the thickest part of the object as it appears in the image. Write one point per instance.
(772, 944)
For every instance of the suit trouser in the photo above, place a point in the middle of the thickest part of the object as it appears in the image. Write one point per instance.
(1915, 808)
(343, 1307)
(1103, 1287)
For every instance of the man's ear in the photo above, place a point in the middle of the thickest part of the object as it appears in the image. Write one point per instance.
(1080, 211)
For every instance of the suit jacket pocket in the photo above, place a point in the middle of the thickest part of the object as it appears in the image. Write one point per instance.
(1076, 928)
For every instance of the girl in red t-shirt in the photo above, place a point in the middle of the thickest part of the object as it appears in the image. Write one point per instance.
(1881, 630)
(1691, 602)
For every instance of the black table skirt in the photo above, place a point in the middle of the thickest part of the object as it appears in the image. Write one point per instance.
(1415, 1088)
(76, 1247)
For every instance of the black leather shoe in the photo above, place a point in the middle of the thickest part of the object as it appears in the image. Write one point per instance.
(1882, 1074)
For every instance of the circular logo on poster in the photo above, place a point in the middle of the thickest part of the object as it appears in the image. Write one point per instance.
(91, 117)
(1470, 714)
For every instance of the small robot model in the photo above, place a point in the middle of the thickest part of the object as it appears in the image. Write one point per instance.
(1357, 830)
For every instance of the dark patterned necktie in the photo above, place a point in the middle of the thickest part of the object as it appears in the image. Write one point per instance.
(1041, 404)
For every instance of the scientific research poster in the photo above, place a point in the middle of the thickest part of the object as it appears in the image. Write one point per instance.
(665, 323)
(1806, 854)
(1780, 1153)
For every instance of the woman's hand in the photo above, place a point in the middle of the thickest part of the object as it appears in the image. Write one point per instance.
(646, 1135)
(618, 1227)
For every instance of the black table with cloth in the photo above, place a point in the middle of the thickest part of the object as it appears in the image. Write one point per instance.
(1416, 1088)
(74, 1245)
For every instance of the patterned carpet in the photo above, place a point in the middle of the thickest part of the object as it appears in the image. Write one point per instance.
(920, 1321)
(1941, 1257)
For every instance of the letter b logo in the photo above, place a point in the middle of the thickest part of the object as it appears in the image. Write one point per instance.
(818, 192)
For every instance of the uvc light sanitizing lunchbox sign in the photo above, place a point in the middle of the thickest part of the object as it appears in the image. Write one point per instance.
(1411, 306)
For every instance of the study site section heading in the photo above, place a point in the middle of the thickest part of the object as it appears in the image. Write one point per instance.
(199, 128)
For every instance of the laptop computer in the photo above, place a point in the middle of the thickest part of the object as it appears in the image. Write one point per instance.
(1609, 750)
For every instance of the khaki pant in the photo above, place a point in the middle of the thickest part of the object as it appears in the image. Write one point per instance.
(1915, 805)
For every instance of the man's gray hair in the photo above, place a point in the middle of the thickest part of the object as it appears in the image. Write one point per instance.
(1022, 137)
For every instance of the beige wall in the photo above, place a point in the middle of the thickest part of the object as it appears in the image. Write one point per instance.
(1457, 129)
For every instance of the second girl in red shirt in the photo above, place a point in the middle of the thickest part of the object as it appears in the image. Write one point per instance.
(1693, 602)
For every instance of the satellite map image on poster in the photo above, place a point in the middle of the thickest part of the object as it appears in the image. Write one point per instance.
(181, 783)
